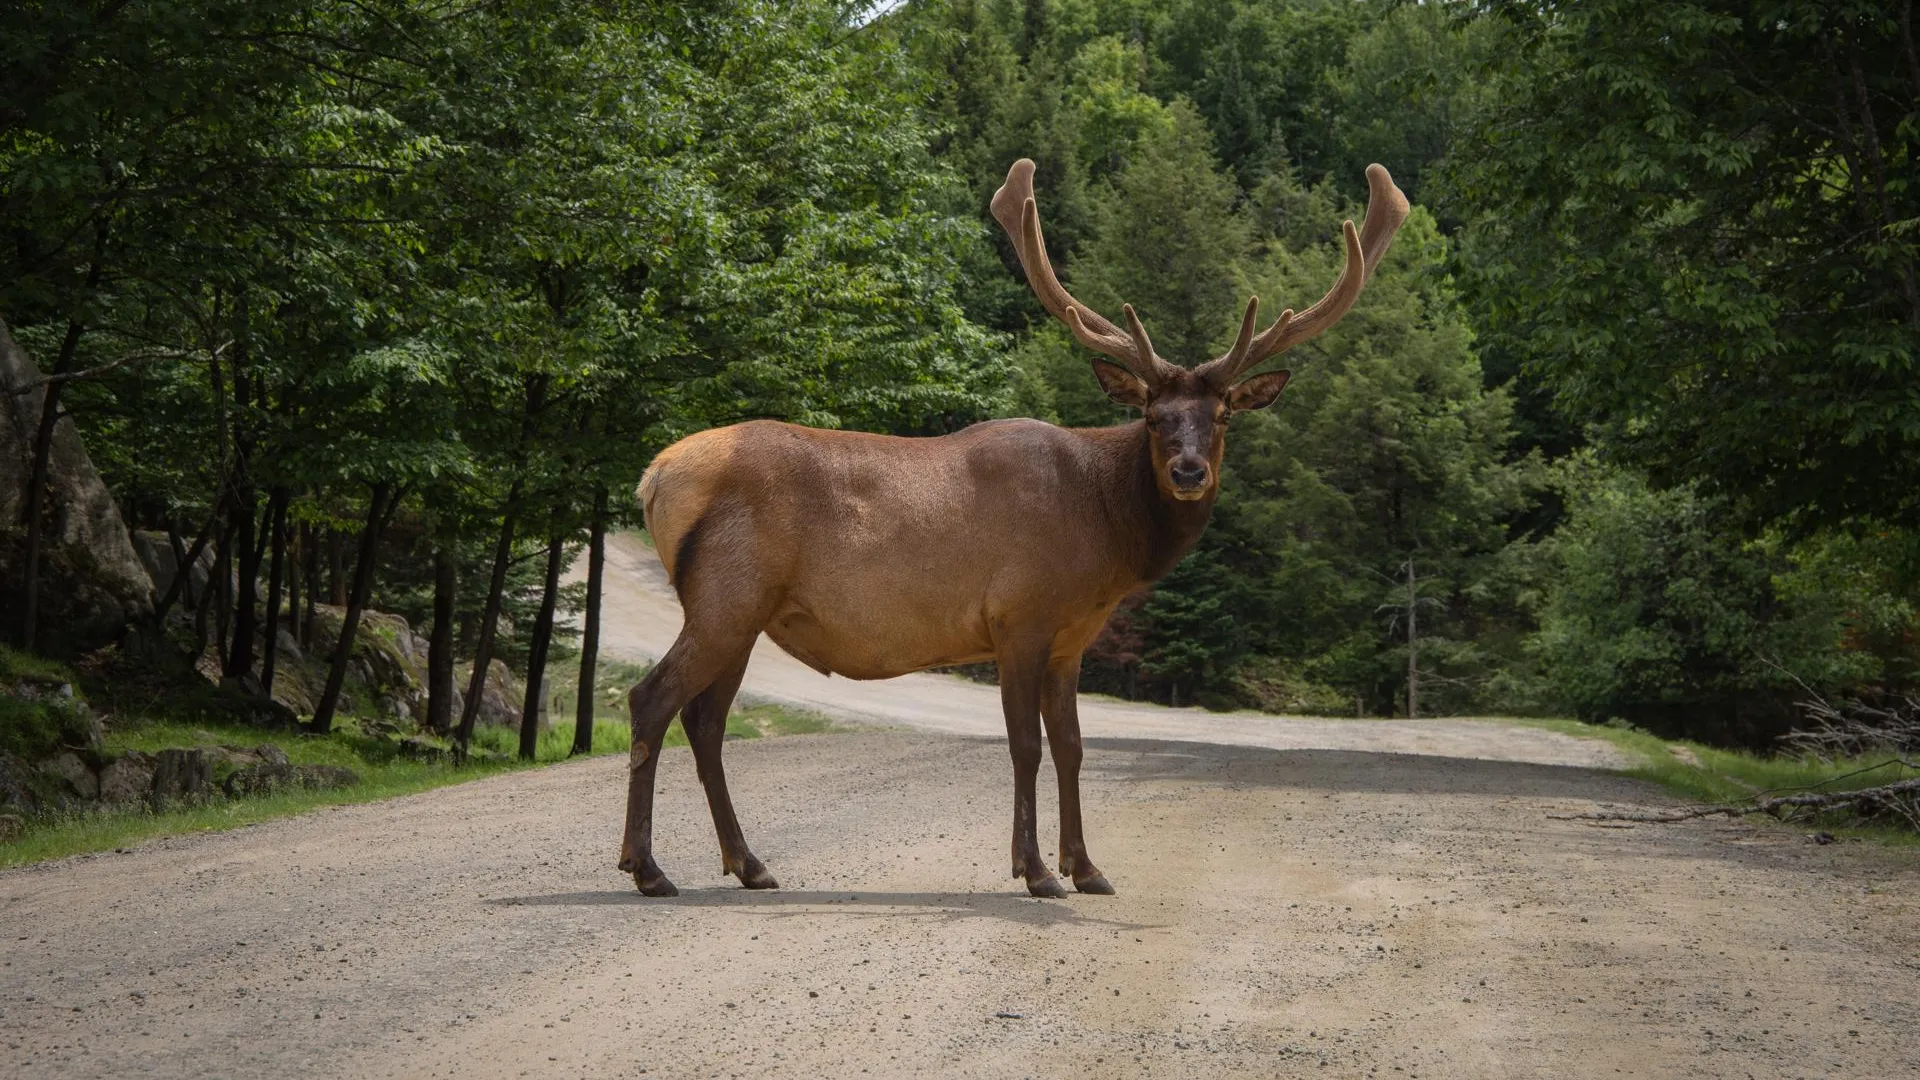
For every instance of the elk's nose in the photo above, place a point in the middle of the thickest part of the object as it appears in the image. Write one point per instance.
(1187, 476)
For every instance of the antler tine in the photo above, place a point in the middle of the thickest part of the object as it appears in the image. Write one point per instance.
(1245, 338)
(1386, 210)
(1138, 332)
(1015, 209)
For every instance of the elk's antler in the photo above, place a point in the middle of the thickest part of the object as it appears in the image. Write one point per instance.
(1017, 213)
(1386, 209)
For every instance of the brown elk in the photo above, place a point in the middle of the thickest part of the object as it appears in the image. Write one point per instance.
(870, 556)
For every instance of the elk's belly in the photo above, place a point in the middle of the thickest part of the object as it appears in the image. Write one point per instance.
(879, 643)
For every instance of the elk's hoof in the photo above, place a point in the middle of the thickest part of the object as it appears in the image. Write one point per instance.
(656, 886)
(1047, 888)
(1097, 885)
(755, 876)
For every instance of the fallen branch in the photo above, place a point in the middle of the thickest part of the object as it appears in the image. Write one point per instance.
(1901, 798)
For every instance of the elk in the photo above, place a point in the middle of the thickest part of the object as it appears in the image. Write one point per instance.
(870, 556)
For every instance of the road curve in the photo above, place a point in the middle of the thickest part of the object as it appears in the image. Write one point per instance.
(641, 616)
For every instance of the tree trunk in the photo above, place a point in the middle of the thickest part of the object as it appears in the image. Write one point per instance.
(223, 588)
(246, 625)
(537, 655)
(183, 562)
(483, 649)
(377, 512)
(310, 545)
(446, 580)
(212, 596)
(276, 577)
(590, 632)
(1413, 644)
(294, 552)
(336, 569)
(37, 478)
(179, 549)
(34, 506)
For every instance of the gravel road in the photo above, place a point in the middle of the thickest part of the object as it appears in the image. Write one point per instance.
(1397, 904)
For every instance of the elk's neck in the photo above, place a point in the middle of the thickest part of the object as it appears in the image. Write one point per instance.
(1167, 528)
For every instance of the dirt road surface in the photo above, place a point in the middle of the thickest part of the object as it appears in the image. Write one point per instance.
(1401, 910)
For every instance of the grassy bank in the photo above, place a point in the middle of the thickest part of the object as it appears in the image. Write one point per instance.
(1712, 775)
(383, 770)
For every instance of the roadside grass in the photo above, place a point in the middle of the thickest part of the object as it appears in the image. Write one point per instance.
(384, 771)
(1716, 775)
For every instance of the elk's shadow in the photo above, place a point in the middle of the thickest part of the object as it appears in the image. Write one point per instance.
(854, 903)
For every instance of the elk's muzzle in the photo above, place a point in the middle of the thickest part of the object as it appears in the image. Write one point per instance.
(1188, 479)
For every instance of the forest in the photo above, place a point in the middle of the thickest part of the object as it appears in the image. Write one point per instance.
(386, 304)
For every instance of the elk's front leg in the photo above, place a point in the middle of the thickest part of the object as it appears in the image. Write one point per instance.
(1021, 679)
(1058, 703)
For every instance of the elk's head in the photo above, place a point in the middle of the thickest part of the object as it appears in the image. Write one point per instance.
(1187, 409)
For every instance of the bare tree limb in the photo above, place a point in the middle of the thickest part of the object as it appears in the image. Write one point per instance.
(118, 362)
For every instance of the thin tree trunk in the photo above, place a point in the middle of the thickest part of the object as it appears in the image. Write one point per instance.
(246, 625)
(37, 477)
(336, 568)
(179, 549)
(483, 649)
(34, 505)
(1413, 644)
(377, 511)
(537, 655)
(590, 632)
(184, 559)
(446, 580)
(294, 553)
(310, 544)
(276, 577)
(212, 597)
(223, 589)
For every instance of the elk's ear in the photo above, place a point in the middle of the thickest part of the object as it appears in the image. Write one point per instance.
(1258, 392)
(1120, 384)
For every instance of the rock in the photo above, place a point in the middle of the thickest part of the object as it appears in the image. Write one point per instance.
(500, 698)
(127, 778)
(270, 754)
(421, 750)
(180, 776)
(241, 696)
(68, 767)
(286, 645)
(16, 785)
(389, 661)
(92, 583)
(266, 779)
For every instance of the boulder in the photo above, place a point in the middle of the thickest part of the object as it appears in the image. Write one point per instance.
(127, 778)
(388, 667)
(18, 792)
(419, 749)
(500, 698)
(266, 779)
(70, 769)
(92, 583)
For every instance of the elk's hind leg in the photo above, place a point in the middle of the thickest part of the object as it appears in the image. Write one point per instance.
(705, 719)
(724, 593)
